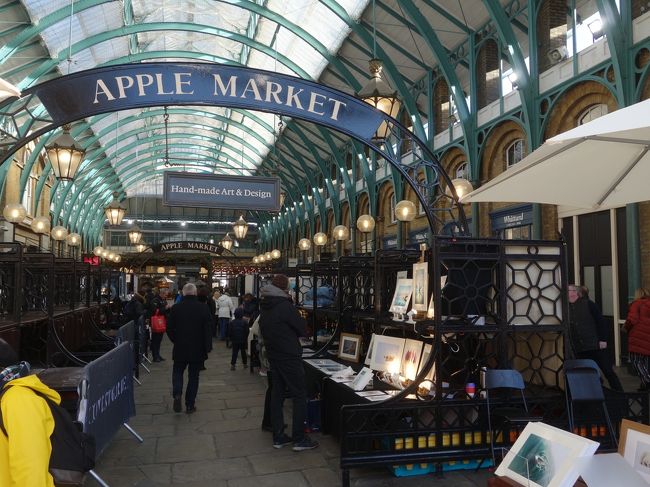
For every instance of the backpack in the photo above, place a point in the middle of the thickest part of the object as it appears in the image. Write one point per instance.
(73, 451)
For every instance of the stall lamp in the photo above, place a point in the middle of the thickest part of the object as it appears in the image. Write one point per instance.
(405, 211)
(14, 212)
(256, 260)
(240, 228)
(73, 239)
(141, 247)
(320, 239)
(98, 251)
(276, 254)
(341, 232)
(135, 235)
(261, 258)
(462, 187)
(104, 253)
(304, 244)
(268, 256)
(115, 211)
(227, 242)
(365, 223)
(41, 224)
(59, 233)
(117, 258)
(65, 155)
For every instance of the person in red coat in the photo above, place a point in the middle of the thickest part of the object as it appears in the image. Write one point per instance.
(637, 325)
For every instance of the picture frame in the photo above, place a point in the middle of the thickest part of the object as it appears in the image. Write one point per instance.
(411, 356)
(546, 456)
(387, 353)
(426, 351)
(402, 275)
(634, 447)
(402, 296)
(420, 291)
(349, 347)
(430, 310)
(369, 354)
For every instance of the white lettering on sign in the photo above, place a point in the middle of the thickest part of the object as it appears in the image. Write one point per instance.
(256, 88)
(247, 193)
(513, 218)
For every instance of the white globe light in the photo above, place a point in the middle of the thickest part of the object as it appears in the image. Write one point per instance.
(59, 233)
(304, 244)
(41, 224)
(276, 254)
(365, 224)
(14, 212)
(341, 232)
(405, 211)
(98, 251)
(320, 239)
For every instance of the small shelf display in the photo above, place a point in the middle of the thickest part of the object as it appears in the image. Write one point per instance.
(425, 327)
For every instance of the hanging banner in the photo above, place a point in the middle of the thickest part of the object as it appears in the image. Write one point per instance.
(218, 191)
(182, 245)
(102, 90)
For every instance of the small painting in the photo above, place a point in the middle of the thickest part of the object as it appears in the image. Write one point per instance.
(420, 289)
(402, 296)
(411, 358)
(349, 347)
(387, 354)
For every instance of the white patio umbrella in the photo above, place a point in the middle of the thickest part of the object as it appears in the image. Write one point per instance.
(7, 90)
(602, 164)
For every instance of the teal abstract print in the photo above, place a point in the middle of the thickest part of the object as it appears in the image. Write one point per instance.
(538, 459)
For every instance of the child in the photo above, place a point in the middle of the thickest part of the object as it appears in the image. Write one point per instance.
(237, 334)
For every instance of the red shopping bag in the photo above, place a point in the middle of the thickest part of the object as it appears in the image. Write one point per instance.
(158, 322)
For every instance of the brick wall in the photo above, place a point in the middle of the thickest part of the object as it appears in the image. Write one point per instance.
(551, 30)
(487, 74)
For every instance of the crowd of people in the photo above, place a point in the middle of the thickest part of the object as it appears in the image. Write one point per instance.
(269, 329)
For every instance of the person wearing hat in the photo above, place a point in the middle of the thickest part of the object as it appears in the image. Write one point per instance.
(281, 326)
(26, 448)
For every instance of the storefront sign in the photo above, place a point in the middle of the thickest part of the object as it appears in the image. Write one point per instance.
(218, 191)
(512, 217)
(124, 87)
(197, 246)
(91, 259)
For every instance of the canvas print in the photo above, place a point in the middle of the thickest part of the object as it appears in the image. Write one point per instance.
(546, 456)
(420, 289)
(538, 460)
(349, 347)
(411, 358)
(387, 354)
(634, 447)
(402, 296)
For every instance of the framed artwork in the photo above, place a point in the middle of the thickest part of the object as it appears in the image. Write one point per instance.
(349, 347)
(387, 354)
(545, 456)
(634, 447)
(402, 296)
(369, 354)
(430, 310)
(411, 358)
(420, 290)
(402, 275)
(426, 351)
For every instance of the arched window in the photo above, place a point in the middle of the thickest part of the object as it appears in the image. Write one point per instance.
(462, 171)
(515, 152)
(592, 113)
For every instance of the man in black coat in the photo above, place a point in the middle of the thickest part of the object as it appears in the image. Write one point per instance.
(189, 327)
(281, 326)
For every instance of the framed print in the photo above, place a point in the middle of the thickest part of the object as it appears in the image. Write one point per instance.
(411, 358)
(420, 290)
(369, 354)
(634, 447)
(387, 354)
(349, 347)
(402, 296)
(426, 351)
(402, 275)
(545, 456)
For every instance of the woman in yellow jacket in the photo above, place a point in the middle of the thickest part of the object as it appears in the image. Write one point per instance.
(25, 450)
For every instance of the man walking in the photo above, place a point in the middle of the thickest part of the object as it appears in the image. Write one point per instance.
(589, 333)
(281, 325)
(189, 327)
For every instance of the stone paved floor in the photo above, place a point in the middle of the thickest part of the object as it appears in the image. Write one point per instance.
(222, 444)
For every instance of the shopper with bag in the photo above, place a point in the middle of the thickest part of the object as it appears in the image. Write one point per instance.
(157, 308)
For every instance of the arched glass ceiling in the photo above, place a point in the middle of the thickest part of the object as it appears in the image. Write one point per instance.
(326, 40)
